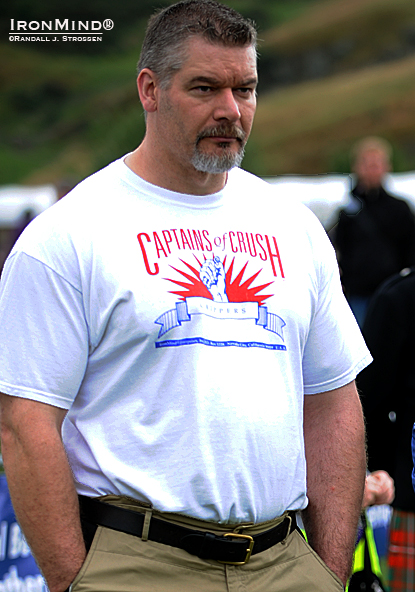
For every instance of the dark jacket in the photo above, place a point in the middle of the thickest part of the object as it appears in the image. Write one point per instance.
(374, 238)
(387, 386)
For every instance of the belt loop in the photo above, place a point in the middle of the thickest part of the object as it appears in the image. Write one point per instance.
(288, 529)
(146, 525)
(240, 527)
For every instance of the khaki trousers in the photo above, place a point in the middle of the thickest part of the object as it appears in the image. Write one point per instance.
(118, 562)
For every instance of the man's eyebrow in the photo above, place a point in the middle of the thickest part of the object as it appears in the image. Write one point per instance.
(204, 79)
(211, 81)
(249, 82)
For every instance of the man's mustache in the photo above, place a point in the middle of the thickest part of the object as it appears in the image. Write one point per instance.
(225, 131)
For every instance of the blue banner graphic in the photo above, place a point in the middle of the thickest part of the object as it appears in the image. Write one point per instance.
(197, 305)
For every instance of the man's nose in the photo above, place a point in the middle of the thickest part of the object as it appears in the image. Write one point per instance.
(227, 107)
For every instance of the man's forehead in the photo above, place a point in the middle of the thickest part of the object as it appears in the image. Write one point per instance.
(209, 59)
(373, 154)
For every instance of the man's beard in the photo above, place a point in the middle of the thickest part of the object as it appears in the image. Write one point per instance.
(219, 163)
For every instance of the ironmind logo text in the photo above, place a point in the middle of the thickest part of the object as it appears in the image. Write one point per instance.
(53, 26)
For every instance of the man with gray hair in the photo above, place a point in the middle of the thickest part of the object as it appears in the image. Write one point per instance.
(178, 358)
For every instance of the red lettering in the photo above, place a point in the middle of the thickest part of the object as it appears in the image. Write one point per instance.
(143, 250)
(234, 249)
(175, 236)
(252, 250)
(272, 255)
(206, 237)
(242, 245)
(197, 235)
(167, 237)
(258, 238)
(186, 240)
(159, 245)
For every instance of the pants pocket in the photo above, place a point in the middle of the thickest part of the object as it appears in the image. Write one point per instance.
(92, 546)
(320, 564)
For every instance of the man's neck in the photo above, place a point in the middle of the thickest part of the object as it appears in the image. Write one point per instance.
(369, 194)
(157, 172)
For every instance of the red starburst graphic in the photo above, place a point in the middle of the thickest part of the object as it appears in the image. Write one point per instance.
(237, 290)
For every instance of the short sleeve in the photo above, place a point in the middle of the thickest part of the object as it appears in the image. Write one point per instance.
(43, 333)
(335, 351)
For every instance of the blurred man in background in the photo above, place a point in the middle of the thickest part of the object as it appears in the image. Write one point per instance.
(375, 234)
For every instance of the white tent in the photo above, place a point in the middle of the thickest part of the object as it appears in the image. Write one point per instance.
(15, 200)
(325, 195)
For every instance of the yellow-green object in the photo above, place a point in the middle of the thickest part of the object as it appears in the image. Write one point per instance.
(358, 562)
(359, 555)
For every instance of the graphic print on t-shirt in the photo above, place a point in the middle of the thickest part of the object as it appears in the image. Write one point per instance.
(209, 290)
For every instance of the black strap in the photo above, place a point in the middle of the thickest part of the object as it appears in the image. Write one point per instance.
(367, 561)
(205, 545)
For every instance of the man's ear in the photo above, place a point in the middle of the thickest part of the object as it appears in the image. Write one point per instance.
(147, 89)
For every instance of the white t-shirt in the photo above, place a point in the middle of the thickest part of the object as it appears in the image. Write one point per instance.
(181, 332)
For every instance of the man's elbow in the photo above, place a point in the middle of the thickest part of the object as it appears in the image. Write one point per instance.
(24, 419)
(7, 429)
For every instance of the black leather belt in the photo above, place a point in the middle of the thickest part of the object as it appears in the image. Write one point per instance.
(230, 548)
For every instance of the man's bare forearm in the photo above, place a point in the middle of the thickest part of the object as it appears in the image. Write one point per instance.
(42, 488)
(336, 467)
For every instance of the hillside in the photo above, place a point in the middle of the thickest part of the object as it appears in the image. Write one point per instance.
(309, 127)
(341, 70)
(65, 116)
(330, 72)
(334, 36)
